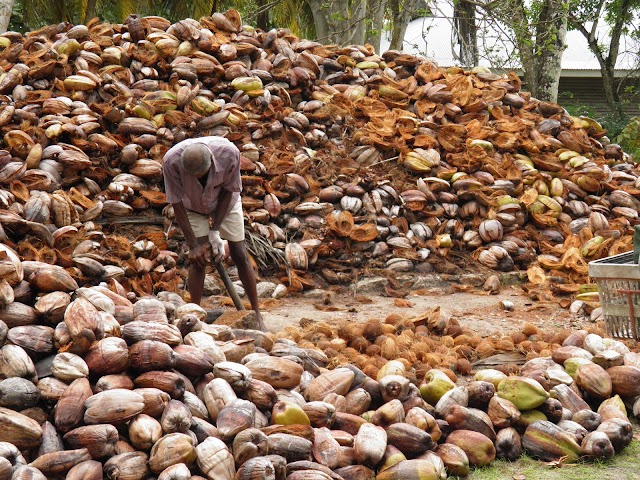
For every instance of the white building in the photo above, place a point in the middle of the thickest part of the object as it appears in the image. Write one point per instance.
(580, 82)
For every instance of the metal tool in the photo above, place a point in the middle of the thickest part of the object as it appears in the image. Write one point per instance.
(231, 289)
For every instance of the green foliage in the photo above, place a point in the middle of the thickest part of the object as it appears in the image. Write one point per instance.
(629, 138)
(422, 12)
(612, 122)
(38, 13)
(292, 14)
(32, 14)
(533, 10)
(623, 466)
(16, 24)
(579, 110)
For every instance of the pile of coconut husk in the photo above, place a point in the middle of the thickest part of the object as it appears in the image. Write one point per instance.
(351, 160)
(98, 386)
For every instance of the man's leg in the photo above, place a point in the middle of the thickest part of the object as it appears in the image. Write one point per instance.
(195, 282)
(247, 276)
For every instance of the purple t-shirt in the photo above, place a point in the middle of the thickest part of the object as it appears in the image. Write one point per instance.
(223, 175)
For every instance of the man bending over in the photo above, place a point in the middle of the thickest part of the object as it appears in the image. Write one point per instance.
(202, 183)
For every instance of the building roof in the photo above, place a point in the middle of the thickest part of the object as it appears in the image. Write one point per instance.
(433, 37)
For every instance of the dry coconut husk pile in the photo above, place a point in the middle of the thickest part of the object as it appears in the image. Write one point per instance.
(352, 161)
(100, 387)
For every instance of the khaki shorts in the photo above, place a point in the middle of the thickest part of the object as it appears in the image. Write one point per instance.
(231, 228)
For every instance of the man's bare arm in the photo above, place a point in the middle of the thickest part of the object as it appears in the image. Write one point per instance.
(197, 251)
(183, 222)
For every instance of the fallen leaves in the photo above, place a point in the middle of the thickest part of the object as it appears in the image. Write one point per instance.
(402, 303)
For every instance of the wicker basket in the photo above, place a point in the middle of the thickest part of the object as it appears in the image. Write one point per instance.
(618, 280)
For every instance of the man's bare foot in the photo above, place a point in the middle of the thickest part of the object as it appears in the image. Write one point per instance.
(261, 325)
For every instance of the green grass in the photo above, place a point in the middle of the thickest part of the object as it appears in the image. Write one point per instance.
(624, 466)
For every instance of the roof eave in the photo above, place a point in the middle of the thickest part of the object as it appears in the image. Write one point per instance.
(582, 73)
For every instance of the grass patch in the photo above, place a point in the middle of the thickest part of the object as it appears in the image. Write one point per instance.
(623, 466)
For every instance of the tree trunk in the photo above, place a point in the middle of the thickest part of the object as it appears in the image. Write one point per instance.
(464, 14)
(611, 92)
(374, 23)
(540, 44)
(262, 22)
(90, 12)
(401, 14)
(608, 63)
(607, 71)
(339, 21)
(28, 15)
(551, 32)
(6, 7)
(320, 22)
(354, 29)
(515, 17)
(624, 16)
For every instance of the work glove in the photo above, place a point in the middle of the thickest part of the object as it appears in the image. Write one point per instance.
(217, 246)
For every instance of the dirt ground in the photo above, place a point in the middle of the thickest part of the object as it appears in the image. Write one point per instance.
(478, 310)
(459, 294)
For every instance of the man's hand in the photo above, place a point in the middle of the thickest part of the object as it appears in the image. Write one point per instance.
(198, 255)
(217, 246)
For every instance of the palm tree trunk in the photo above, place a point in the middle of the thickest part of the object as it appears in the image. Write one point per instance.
(6, 7)
(262, 21)
(29, 17)
(90, 11)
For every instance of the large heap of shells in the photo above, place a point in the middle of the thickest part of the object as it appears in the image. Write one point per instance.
(96, 386)
(350, 159)
(97, 383)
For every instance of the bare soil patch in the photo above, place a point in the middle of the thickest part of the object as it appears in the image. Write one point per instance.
(477, 310)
